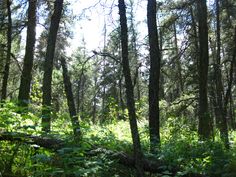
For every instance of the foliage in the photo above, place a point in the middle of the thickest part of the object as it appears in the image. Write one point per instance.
(182, 149)
(99, 94)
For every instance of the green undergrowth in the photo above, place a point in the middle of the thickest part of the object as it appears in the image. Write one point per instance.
(180, 148)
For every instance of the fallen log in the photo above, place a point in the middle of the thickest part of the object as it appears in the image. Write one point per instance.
(56, 144)
(46, 142)
(149, 165)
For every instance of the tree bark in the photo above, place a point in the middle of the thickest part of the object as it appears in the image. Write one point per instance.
(134, 49)
(155, 60)
(94, 111)
(26, 76)
(180, 85)
(8, 59)
(224, 127)
(219, 85)
(130, 90)
(48, 65)
(205, 123)
(70, 99)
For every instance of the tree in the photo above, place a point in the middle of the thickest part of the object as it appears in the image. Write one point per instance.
(48, 65)
(26, 76)
(134, 55)
(219, 85)
(70, 99)
(155, 60)
(8, 58)
(205, 122)
(130, 90)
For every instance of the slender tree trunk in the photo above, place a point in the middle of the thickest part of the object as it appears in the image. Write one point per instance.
(82, 113)
(135, 51)
(8, 59)
(104, 74)
(121, 101)
(205, 124)
(26, 76)
(78, 95)
(162, 80)
(180, 85)
(219, 85)
(48, 65)
(94, 104)
(232, 113)
(155, 60)
(196, 44)
(130, 90)
(70, 99)
(224, 126)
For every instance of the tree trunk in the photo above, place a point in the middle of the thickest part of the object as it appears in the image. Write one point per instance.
(70, 99)
(232, 113)
(195, 40)
(130, 90)
(94, 111)
(82, 112)
(224, 126)
(8, 59)
(135, 55)
(121, 101)
(80, 93)
(180, 85)
(155, 59)
(205, 123)
(162, 79)
(26, 76)
(219, 85)
(48, 65)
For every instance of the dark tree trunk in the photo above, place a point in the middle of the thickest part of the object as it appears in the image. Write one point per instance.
(205, 123)
(232, 113)
(48, 65)
(130, 90)
(219, 85)
(82, 113)
(80, 93)
(162, 80)
(195, 40)
(70, 99)
(8, 59)
(121, 101)
(94, 111)
(180, 85)
(26, 76)
(155, 59)
(224, 126)
(135, 57)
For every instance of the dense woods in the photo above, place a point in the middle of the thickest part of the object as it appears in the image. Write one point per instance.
(155, 97)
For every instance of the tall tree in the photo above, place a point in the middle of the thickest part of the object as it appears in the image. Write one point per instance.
(134, 51)
(180, 85)
(155, 60)
(219, 85)
(26, 76)
(130, 90)
(8, 58)
(205, 123)
(70, 99)
(48, 65)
